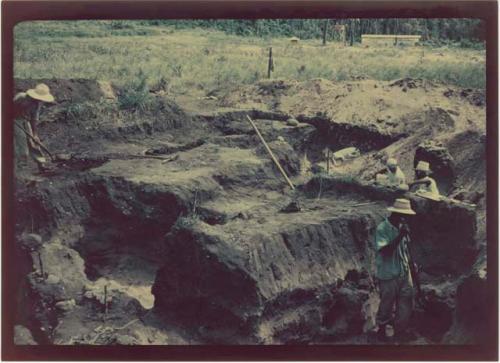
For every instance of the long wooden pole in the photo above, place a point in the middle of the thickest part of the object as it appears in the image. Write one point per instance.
(35, 140)
(271, 154)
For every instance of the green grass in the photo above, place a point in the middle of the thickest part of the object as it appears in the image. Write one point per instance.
(203, 60)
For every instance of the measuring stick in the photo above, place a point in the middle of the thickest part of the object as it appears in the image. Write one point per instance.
(271, 154)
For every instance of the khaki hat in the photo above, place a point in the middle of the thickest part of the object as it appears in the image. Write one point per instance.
(392, 162)
(41, 93)
(423, 166)
(402, 206)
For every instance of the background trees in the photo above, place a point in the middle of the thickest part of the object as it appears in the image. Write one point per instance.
(465, 31)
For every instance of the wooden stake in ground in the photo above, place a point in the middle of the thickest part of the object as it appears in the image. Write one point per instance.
(351, 32)
(270, 65)
(328, 160)
(41, 264)
(324, 31)
(105, 301)
(271, 154)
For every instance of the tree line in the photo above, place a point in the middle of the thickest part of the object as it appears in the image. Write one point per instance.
(433, 30)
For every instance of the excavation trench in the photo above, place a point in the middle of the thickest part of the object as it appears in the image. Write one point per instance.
(203, 240)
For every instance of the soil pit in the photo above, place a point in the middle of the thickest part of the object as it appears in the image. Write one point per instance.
(184, 222)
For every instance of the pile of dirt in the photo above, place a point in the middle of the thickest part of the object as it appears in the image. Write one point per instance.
(473, 96)
(382, 104)
(242, 272)
(71, 90)
(87, 112)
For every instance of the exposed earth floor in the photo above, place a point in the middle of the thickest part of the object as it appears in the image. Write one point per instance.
(173, 225)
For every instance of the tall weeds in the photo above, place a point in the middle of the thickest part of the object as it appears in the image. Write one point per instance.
(204, 60)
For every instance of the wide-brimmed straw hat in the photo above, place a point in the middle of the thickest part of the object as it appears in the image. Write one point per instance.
(427, 195)
(402, 206)
(392, 162)
(423, 166)
(41, 93)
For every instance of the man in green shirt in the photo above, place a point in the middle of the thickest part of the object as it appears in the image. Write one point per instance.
(393, 269)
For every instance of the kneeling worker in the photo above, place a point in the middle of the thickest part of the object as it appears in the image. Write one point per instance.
(393, 270)
(394, 177)
(423, 182)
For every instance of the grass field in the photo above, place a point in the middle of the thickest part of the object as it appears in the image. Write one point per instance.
(124, 51)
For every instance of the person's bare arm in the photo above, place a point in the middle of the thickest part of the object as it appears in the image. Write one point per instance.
(389, 249)
(416, 182)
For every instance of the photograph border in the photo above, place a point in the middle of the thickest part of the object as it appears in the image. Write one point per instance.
(14, 12)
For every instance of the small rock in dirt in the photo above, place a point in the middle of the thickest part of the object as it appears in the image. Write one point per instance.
(125, 340)
(292, 122)
(62, 157)
(292, 207)
(242, 215)
(347, 153)
(66, 305)
(106, 89)
(22, 336)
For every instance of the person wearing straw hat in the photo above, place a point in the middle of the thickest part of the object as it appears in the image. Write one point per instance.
(394, 176)
(393, 270)
(423, 182)
(27, 107)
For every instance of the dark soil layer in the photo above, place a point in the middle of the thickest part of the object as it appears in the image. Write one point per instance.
(188, 226)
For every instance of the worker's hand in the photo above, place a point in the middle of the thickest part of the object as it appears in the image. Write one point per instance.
(404, 229)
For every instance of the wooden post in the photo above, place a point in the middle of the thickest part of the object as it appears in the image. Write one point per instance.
(41, 264)
(324, 31)
(105, 301)
(270, 65)
(351, 31)
(269, 151)
(328, 161)
(397, 30)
